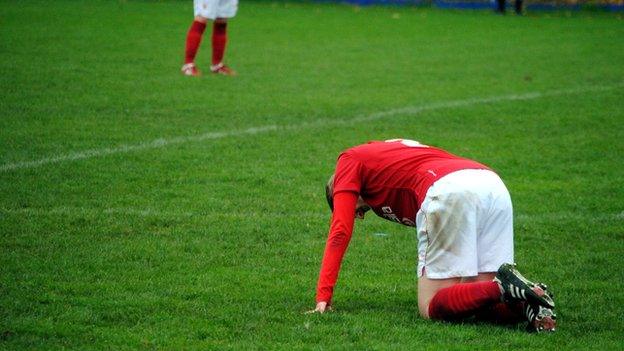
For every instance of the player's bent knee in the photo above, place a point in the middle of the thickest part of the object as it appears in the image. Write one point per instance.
(427, 290)
(423, 311)
(201, 19)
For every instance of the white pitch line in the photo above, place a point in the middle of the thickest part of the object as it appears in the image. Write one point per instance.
(161, 142)
(84, 211)
(410, 110)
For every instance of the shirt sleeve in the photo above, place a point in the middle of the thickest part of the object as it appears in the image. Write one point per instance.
(340, 233)
(348, 175)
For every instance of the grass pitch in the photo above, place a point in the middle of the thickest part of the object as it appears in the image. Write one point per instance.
(140, 209)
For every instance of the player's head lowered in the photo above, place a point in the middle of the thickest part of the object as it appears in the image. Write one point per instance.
(329, 192)
(360, 208)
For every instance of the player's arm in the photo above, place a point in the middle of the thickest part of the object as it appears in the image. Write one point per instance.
(340, 233)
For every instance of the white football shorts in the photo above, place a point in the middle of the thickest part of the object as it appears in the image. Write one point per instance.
(465, 225)
(213, 9)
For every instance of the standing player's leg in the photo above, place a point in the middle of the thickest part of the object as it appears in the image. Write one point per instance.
(225, 9)
(203, 10)
(500, 6)
(219, 41)
(193, 39)
(518, 7)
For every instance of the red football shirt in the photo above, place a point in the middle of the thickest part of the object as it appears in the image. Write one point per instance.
(392, 177)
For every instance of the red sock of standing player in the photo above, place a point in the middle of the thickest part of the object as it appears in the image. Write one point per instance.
(463, 300)
(219, 39)
(193, 39)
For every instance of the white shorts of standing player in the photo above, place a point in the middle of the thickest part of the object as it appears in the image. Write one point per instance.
(465, 225)
(213, 9)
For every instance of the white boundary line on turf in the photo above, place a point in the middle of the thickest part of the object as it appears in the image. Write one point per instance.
(84, 211)
(163, 142)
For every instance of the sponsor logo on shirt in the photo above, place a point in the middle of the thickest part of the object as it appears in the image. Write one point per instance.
(389, 214)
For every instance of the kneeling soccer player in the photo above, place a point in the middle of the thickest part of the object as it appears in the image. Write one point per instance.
(464, 219)
(218, 11)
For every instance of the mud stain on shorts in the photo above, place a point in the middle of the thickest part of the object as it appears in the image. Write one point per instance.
(447, 219)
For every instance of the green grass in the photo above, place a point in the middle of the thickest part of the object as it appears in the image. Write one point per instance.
(216, 243)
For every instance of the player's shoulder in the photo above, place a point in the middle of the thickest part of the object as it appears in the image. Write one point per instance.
(371, 145)
(388, 149)
(385, 145)
(356, 152)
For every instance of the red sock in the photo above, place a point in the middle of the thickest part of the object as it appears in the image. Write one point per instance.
(219, 39)
(502, 313)
(193, 39)
(463, 300)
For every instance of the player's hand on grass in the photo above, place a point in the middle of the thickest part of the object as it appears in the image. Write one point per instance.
(321, 307)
